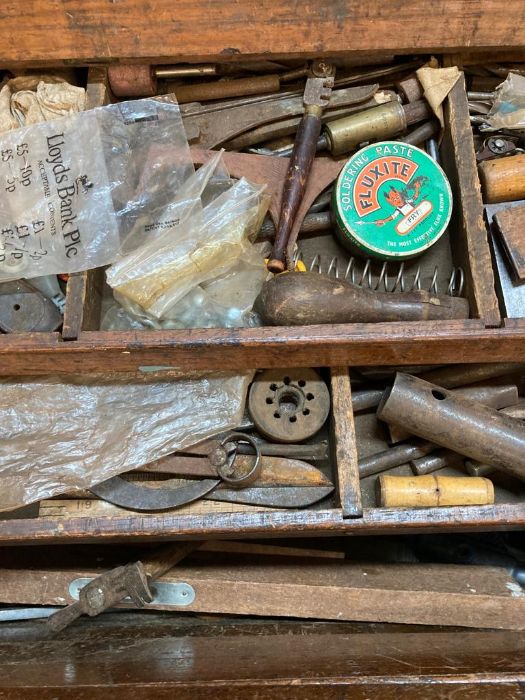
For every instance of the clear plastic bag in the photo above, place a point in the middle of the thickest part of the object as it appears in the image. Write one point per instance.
(211, 241)
(78, 188)
(225, 302)
(57, 435)
(508, 109)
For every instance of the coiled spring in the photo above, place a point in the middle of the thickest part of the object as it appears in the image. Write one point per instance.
(366, 273)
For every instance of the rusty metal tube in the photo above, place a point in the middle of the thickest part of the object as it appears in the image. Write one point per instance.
(222, 89)
(460, 424)
(498, 396)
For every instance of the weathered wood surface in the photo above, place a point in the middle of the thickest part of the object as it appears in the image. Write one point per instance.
(345, 443)
(421, 594)
(95, 508)
(233, 349)
(136, 526)
(471, 246)
(84, 289)
(150, 657)
(97, 30)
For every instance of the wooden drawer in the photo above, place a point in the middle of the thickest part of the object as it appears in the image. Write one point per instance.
(81, 346)
(351, 511)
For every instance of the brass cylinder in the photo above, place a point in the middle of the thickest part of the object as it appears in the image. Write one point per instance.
(376, 123)
(433, 491)
(186, 71)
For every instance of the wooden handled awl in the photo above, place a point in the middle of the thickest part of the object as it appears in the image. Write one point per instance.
(309, 298)
(316, 96)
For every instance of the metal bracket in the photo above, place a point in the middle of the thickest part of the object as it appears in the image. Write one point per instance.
(178, 594)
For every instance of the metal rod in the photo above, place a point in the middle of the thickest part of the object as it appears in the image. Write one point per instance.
(195, 71)
(461, 375)
(366, 398)
(394, 457)
(434, 461)
(473, 95)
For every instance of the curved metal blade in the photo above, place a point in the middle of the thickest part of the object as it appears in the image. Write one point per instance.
(275, 471)
(278, 497)
(137, 496)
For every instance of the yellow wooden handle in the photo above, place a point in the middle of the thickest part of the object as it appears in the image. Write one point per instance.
(432, 491)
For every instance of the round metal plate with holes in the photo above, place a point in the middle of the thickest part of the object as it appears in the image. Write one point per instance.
(289, 405)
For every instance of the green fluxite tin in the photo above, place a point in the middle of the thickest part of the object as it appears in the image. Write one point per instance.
(391, 201)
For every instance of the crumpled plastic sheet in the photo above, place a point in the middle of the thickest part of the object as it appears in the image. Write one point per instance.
(213, 238)
(508, 109)
(58, 435)
(225, 302)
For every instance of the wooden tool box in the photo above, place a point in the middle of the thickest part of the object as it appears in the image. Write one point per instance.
(93, 34)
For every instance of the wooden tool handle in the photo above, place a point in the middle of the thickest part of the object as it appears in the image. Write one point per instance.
(221, 89)
(503, 179)
(294, 186)
(306, 298)
(433, 491)
(165, 557)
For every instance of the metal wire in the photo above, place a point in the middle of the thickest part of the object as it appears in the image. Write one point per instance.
(390, 278)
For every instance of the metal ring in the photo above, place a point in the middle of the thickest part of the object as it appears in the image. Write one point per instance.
(254, 472)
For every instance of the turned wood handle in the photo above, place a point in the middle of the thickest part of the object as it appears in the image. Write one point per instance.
(294, 186)
(503, 179)
(308, 298)
(166, 557)
(433, 491)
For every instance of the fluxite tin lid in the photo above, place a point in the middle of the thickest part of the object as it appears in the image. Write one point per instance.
(391, 201)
